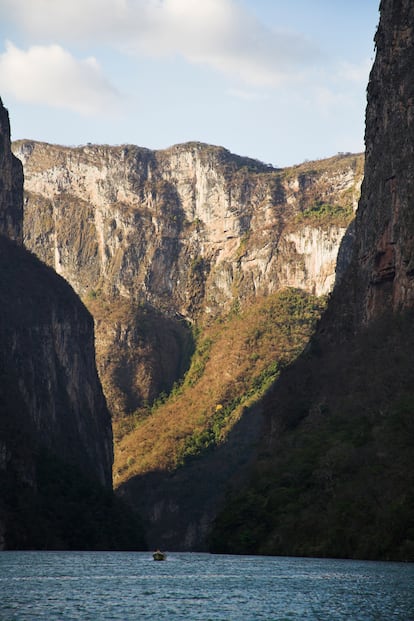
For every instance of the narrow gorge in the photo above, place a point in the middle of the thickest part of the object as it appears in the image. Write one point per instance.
(253, 338)
(205, 273)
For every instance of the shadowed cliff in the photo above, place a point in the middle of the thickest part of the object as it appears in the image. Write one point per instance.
(335, 475)
(55, 430)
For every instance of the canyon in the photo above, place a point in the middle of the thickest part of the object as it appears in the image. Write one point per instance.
(179, 237)
(253, 340)
(164, 248)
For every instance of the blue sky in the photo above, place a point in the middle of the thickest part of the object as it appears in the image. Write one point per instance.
(282, 81)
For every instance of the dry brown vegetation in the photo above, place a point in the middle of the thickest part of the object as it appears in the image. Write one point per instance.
(235, 362)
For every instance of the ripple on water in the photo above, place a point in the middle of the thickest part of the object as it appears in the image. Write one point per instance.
(128, 586)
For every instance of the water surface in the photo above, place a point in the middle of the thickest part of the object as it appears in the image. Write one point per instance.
(126, 586)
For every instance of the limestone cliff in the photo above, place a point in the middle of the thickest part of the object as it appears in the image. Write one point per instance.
(157, 226)
(192, 231)
(336, 474)
(52, 410)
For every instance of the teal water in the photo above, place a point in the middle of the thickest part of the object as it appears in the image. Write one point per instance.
(126, 586)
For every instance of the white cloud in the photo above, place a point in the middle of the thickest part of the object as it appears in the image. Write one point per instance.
(220, 34)
(50, 75)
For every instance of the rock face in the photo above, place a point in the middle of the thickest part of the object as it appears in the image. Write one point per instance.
(51, 402)
(56, 381)
(382, 275)
(11, 183)
(189, 231)
(153, 225)
(335, 477)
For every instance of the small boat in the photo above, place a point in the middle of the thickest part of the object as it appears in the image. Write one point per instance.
(159, 556)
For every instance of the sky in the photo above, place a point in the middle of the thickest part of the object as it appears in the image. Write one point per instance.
(281, 81)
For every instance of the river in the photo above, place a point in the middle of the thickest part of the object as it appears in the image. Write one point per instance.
(126, 586)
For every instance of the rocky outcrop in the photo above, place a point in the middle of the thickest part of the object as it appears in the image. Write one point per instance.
(192, 231)
(140, 352)
(52, 408)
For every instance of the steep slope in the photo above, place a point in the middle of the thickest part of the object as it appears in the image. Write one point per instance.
(336, 470)
(182, 256)
(55, 429)
(189, 233)
(175, 463)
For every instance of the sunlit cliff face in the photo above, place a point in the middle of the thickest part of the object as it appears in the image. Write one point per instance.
(155, 226)
(192, 232)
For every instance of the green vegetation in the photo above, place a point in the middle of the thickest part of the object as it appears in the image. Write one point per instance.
(198, 362)
(329, 165)
(321, 212)
(338, 479)
(321, 204)
(218, 423)
(244, 241)
(93, 294)
(234, 364)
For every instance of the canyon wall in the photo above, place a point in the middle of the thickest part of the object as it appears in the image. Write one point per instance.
(335, 472)
(52, 408)
(187, 229)
(176, 237)
(382, 274)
